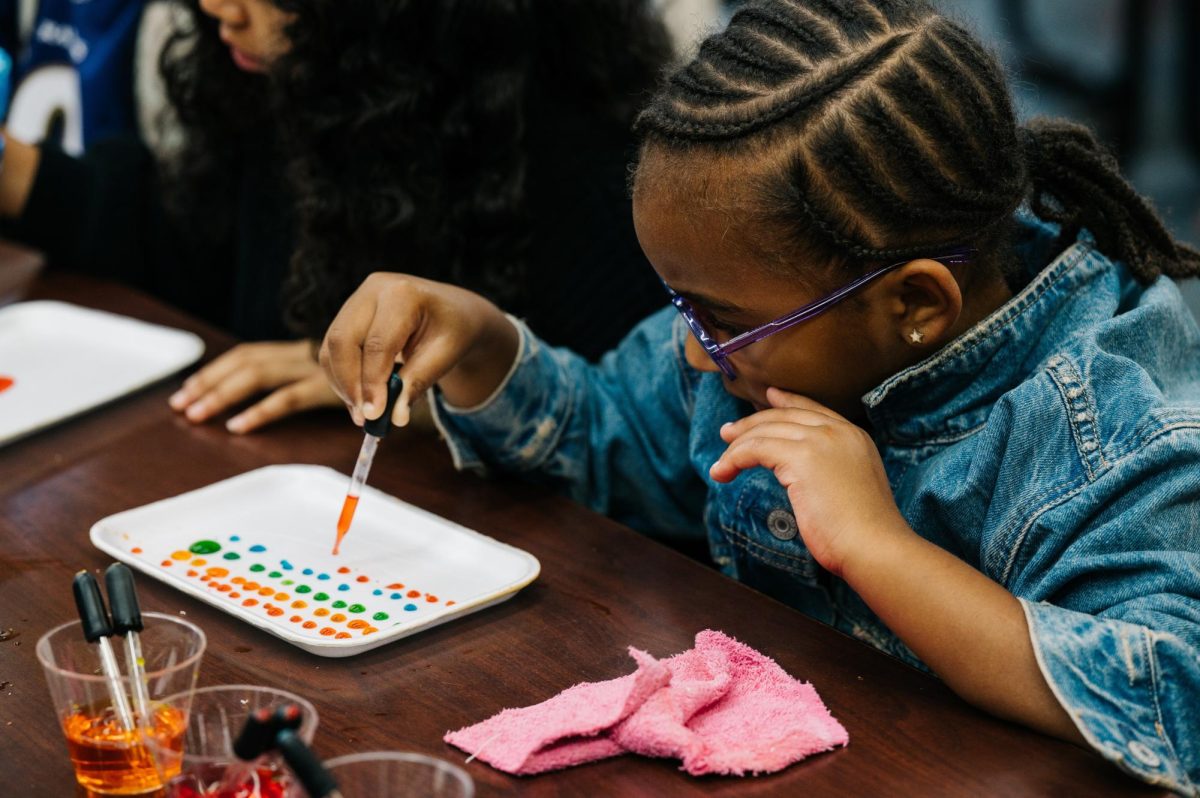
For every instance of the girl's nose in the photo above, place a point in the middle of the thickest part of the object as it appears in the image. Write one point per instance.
(696, 357)
(229, 12)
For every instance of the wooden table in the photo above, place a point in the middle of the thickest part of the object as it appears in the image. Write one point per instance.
(602, 588)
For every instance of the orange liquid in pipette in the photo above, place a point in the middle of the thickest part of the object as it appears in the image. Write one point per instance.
(344, 520)
(110, 760)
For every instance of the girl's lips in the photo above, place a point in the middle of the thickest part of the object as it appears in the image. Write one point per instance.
(246, 62)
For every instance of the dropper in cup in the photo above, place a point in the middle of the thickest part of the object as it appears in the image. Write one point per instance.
(256, 738)
(312, 775)
(127, 621)
(97, 628)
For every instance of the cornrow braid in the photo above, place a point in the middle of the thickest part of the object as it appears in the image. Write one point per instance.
(888, 131)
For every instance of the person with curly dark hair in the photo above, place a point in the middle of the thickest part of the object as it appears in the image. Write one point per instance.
(483, 144)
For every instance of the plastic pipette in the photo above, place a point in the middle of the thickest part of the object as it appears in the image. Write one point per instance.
(373, 432)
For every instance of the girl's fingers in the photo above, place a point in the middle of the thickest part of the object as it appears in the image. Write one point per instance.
(313, 391)
(386, 339)
(789, 415)
(341, 351)
(769, 453)
(208, 377)
(423, 368)
(781, 398)
(236, 386)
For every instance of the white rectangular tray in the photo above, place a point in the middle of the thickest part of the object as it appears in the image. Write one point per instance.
(59, 360)
(258, 546)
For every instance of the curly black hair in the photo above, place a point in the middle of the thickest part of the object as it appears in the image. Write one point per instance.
(402, 125)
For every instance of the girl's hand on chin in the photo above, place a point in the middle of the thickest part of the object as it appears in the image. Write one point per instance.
(830, 468)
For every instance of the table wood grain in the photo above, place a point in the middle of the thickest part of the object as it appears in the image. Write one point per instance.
(602, 588)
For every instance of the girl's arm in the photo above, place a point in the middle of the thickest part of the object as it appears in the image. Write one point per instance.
(16, 175)
(967, 628)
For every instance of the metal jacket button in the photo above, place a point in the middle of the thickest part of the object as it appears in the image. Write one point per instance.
(782, 524)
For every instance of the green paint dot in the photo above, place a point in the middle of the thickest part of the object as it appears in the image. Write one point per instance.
(289, 581)
(232, 555)
(339, 604)
(205, 547)
(356, 608)
(320, 596)
(274, 574)
(256, 568)
(380, 616)
(303, 589)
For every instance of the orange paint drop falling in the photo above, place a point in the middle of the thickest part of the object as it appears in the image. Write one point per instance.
(6, 383)
(343, 524)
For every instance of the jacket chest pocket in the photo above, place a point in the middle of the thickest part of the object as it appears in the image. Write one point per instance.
(756, 519)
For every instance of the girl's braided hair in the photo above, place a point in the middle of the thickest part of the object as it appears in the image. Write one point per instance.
(897, 136)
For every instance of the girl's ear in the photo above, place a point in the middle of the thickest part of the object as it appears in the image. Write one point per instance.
(924, 304)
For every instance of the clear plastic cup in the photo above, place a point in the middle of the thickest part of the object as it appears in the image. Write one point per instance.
(109, 759)
(394, 774)
(216, 719)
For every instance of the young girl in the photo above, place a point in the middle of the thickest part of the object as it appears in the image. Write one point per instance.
(322, 136)
(926, 382)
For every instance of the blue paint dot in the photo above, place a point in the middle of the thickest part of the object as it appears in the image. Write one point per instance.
(258, 547)
(287, 566)
(307, 572)
(235, 537)
(376, 592)
(322, 576)
(396, 596)
(343, 587)
(410, 607)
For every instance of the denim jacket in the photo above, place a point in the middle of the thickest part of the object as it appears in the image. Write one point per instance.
(1055, 446)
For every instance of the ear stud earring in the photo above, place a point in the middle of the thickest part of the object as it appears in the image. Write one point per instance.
(916, 336)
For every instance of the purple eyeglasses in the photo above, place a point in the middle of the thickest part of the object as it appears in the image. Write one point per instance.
(720, 352)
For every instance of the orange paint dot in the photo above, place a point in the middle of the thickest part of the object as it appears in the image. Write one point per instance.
(205, 578)
(369, 630)
(337, 617)
(166, 563)
(192, 573)
(274, 612)
(217, 571)
(343, 570)
(450, 603)
(395, 586)
(295, 619)
(250, 587)
(282, 597)
(224, 588)
(341, 635)
(310, 625)
(358, 623)
(320, 612)
(266, 591)
(363, 579)
(238, 580)
(199, 561)
(235, 594)
(328, 630)
(181, 555)
(414, 593)
(136, 550)
(431, 598)
(299, 605)
(249, 602)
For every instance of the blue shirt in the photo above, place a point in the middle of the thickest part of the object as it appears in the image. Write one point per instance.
(1055, 447)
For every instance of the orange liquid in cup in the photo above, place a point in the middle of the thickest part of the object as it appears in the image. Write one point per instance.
(110, 760)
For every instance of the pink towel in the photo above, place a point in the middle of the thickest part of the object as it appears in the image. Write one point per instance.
(720, 707)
